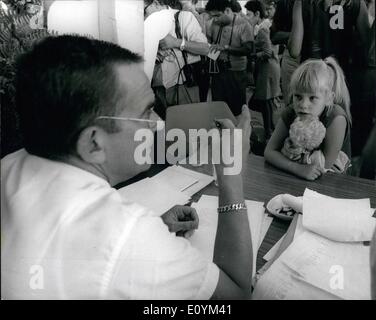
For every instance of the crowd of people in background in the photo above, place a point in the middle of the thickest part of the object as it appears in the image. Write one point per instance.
(68, 233)
(223, 52)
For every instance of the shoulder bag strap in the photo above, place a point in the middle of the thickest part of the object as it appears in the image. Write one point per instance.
(179, 35)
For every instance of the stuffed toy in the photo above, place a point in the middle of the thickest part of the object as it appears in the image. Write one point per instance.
(305, 136)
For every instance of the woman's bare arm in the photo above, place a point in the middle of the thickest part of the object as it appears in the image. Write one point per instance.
(295, 41)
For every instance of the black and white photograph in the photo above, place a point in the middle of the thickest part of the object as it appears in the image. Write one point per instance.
(174, 150)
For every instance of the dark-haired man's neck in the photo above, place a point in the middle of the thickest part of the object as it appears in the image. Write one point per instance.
(232, 14)
(92, 168)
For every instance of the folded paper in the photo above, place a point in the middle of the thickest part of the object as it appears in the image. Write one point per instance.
(338, 219)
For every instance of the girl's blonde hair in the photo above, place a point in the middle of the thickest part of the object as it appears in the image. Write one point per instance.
(317, 75)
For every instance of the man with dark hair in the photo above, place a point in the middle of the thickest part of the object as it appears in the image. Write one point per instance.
(66, 232)
(69, 90)
(236, 7)
(232, 36)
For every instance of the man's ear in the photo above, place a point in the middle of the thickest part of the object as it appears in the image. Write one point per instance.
(257, 14)
(228, 11)
(90, 145)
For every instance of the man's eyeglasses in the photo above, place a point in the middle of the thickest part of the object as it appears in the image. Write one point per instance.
(152, 119)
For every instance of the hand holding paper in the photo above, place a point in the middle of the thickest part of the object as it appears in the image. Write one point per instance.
(213, 53)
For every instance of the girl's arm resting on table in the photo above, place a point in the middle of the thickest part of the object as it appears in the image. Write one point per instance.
(274, 156)
(272, 152)
(333, 141)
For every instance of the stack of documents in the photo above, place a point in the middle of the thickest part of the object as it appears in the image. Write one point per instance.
(327, 259)
(174, 185)
(204, 238)
(345, 220)
(313, 267)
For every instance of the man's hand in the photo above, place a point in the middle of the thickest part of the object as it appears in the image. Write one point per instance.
(216, 47)
(244, 124)
(182, 220)
(169, 42)
(310, 171)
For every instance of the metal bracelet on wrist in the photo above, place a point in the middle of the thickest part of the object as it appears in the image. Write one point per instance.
(232, 207)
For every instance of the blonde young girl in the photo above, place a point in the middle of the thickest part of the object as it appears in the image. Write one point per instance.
(317, 88)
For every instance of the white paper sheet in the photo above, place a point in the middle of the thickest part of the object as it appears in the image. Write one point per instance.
(255, 217)
(338, 219)
(204, 237)
(280, 283)
(202, 180)
(343, 269)
(172, 186)
(299, 229)
(214, 55)
(154, 195)
(176, 178)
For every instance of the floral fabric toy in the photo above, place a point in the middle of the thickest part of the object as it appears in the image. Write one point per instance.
(303, 144)
(305, 135)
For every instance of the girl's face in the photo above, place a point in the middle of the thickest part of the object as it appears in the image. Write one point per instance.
(312, 103)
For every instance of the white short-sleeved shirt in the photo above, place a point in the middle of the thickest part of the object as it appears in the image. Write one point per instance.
(171, 65)
(66, 234)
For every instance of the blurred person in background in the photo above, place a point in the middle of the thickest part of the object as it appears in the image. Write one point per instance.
(200, 68)
(174, 53)
(232, 36)
(267, 64)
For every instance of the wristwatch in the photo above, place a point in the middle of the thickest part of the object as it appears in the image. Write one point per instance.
(182, 45)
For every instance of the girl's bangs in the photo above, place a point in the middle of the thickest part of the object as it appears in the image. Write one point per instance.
(308, 78)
